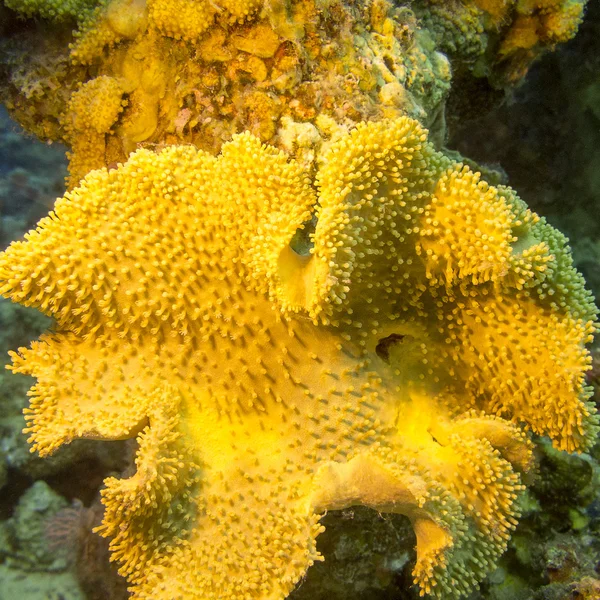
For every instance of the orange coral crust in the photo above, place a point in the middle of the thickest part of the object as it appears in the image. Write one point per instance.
(197, 71)
(281, 347)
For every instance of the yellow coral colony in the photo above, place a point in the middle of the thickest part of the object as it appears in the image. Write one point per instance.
(281, 347)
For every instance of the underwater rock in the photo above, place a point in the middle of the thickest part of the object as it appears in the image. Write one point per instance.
(39, 585)
(499, 39)
(31, 549)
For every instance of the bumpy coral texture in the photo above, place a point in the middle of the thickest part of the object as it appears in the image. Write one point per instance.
(512, 33)
(197, 71)
(56, 10)
(280, 347)
(93, 110)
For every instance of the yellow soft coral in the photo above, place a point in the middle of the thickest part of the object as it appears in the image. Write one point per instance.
(281, 348)
(93, 110)
(188, 19)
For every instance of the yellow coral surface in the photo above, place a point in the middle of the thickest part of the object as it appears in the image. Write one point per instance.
(381, 335)
(93, 110)
(55, 10)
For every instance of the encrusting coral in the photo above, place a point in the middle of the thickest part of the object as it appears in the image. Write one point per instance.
(501, 38)
(382, 335)
(55, 10)
(187, 72)
(201, 71)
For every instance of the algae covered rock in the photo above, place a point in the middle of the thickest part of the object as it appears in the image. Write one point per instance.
(28, 529)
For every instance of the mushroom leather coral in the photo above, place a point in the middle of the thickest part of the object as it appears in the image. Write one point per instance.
(382, 335)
